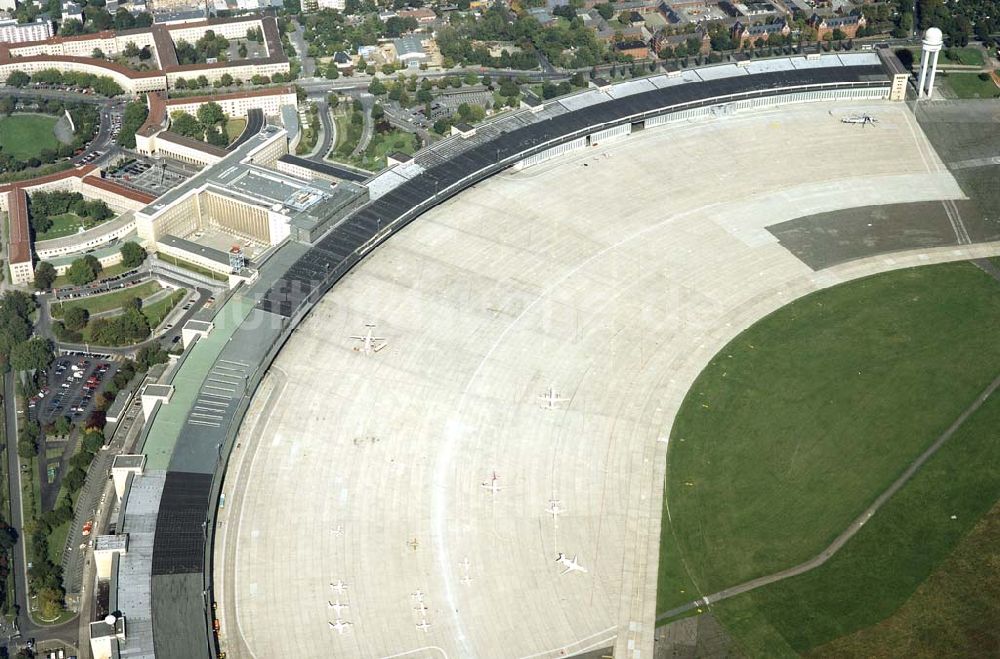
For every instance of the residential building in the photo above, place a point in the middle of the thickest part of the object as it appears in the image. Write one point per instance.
(13, 32)
(825, 25)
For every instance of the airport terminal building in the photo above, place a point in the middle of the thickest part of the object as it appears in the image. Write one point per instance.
(317, 231)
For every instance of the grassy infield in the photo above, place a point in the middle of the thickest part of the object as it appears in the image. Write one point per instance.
(800, 422)
(25, 135)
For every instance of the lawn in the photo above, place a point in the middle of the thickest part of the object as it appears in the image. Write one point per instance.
(348, 136)
(959, 601)
(797, 425)
(25, 135)
(964, 56)
(157, 311)
(969, 85)
(57, 541)
(234, 128)
(66, 224)
(385, 143)
(894, 556)
(108, 301)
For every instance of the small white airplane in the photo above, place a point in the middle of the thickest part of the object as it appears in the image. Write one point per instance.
(466, 564)
(418, 595)
(550, 399)
(860, 119)
(554, 509)
(370, 344)
(491, 484)
(338, 530)
(337, 607)
(341, 626)
(339, 587)
(421, 607)
(466, 580)
(570, 564)
(423, 625)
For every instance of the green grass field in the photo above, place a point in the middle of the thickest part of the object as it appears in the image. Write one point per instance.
(25, 135)
(108, 301)
(889, 559)
(968, 85)
(234, 128)
(796, 426)
(66, 224)
(157, 311)
(965, 56)
(959, 602)
(383, 144)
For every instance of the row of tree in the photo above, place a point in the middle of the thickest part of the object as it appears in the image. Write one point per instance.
(102, 85)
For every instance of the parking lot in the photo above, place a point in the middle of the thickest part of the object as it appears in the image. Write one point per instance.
(149, 176)
(73, 381)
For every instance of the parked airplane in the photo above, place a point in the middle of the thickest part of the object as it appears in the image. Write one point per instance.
(339, 587)
(418, 595)
(570, 564)
(337, 607)
(370, 344)
(491, 484)
(554, 508)
(862, 119)
(341, 626)
(550, 399)
(423, 625)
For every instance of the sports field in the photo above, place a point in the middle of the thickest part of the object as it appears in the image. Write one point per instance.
(797, 425)
(25, 135)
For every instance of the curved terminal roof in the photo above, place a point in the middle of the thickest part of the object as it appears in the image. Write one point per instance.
(164, 584)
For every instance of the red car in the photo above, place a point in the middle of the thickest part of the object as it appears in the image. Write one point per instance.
(88, 526)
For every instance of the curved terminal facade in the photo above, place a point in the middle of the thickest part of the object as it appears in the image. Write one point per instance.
(163, 583)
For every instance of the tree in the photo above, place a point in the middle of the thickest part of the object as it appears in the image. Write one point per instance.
(134, 116)
(376, 87)
(377, 111)
(210, 114)
(93, 441)
(131, 50)
(45, 275)
(150, 355)
(184, 124)
(97, 53)
(74, 479)
(84, 270)
(50, 603)
(75, 318)
(226, 80)
(63, 426)
(35, 354)
(18, 79)
(133, 255)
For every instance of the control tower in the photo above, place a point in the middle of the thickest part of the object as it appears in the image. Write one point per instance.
(932, 44)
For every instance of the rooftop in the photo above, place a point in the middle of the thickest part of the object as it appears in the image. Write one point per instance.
(211, 253)
(163, 390)
(111, 543)
(20, 236)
